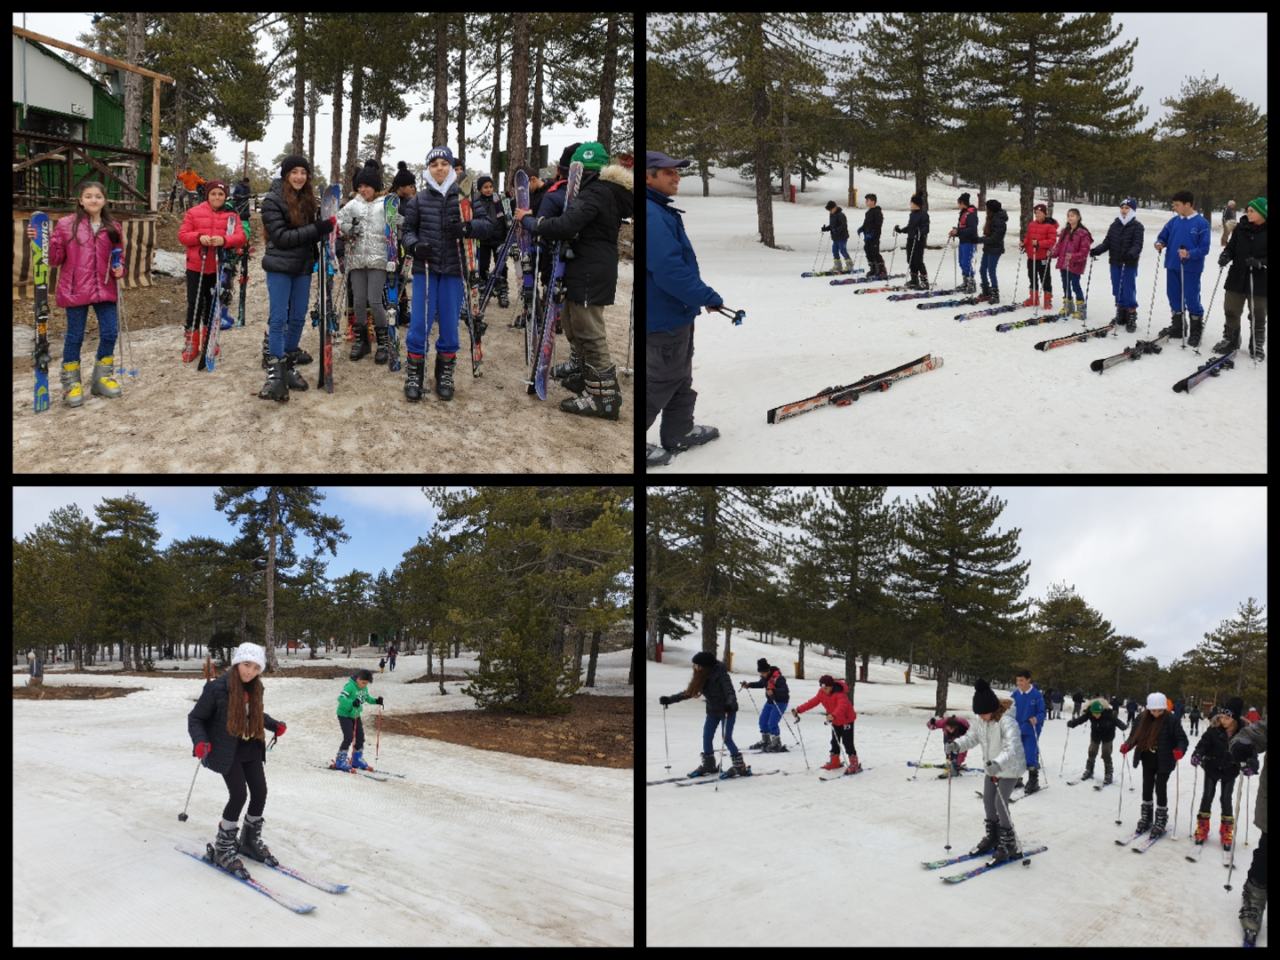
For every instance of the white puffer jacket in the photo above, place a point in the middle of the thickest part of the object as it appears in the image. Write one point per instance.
(370, 250)
(999, 742)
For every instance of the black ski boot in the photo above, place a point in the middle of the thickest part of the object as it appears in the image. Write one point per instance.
(504, 298)
(224, 852)
(1033, 780)
(251, 844)
(1106, 776)
(695, 437)
(413, 377)
(1175, 328)
(708, 766)
(1131, 319)
(761, 744)
(444, 376)
(987, 843)
(1197, 328)
(601, 398)
(1161, 823)
(995, 296)
(1144, 818)
(1009, 848)
(384, 345)
(1256, 352)
(739, 768)
(986, 291)
(656, 456)
(570, 372)
(1227, 343)
(1088, 770)
(1252, 902)
(360, 345)
(276, 388)
(294, 381)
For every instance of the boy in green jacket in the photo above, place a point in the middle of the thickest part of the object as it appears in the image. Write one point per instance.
(350, 702)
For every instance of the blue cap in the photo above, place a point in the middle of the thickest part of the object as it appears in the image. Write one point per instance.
(653, 158)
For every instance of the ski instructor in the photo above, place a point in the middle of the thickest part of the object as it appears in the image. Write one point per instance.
(227, 730)
(675, 294)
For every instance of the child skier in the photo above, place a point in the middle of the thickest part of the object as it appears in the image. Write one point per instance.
(1102, 733)
(953, 728)
(839, 230)
(776, 697)
(997, 732)
(1160, 744)
(917, 232)
(1072, 252)
(350, 702)
(1245, 747)
(711, 680)
(1211, 755)
(226, 727)
(1030, 722)
(1124, 243)
(834, 697)
(994, 228)
(966, 229)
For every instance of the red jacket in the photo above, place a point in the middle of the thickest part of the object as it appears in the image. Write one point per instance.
(204, 220)
(837, 704)
(1046, 233)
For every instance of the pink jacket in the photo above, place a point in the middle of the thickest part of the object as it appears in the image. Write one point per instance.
(83, 262)
(203, 220)
(1073, 251)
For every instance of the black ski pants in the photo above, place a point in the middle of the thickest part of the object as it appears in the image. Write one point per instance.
(245, 779)
(669, 382)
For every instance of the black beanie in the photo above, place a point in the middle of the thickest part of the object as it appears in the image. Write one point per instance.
(704, 659)
(291, 161)
(403, 177)
(984, 700)
(566, 158)
(964, 198)
(831, 205)
(1235, 707)
(762, 665)
(370, 175)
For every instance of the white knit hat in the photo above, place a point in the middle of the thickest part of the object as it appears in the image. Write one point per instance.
(250, 653)
(1157, 701)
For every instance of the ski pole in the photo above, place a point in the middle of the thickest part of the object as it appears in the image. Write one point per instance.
(377, 735)
(818, 254)
(923, 748)
(1155, 285)
(1005, 803)
(752, 698)
(737, 316)
(1064, 751)
(1195, 778)
(1084, 307)
(1182, 282)
(801, 736)
(947, 847)
(1212, 296)
(941, 260)
(1035, 276)
(631, 332)
(1124, 768)
(665, 742)
(1114, 331)
(893, 257)
(1038, 761)
(720, 760)
(1177, 797)
(798, 739)
(1231, 866)
(1247, 785)
(183, 815)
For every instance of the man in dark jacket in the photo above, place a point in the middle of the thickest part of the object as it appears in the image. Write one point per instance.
(776, 698)
(675, 292)
(1247, 253)
(1124, 243)
(1102, 733)
(872, 225)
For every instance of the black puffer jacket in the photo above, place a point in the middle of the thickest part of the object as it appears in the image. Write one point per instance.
(775, 685)
(434, 218)
(1124, 241)
(1246, 241)
(1213, 753)
(717, 692)
(604, 200)
(998, 221)
(208, 721)
(491, 209)
(1102, 729)
(1169, 738)
(838, 224)
(290, 250)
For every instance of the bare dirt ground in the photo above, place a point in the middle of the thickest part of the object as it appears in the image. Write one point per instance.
(174, 419)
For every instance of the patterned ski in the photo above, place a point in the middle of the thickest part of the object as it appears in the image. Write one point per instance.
(892, 276)
(1080, 337)
(844, 395)
(992, 865)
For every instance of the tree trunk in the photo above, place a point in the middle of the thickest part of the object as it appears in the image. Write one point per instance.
(595, 655)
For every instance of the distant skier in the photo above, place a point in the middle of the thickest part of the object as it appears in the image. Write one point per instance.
(711, 680)
(1212, 756)
(872, 226)
(966, 229)
(392, 653)
(350, 703)
(776, 697)
(834, 696)
(917, 235)
(1194, 716)
(1077, 698)
(996, 731)
(1102, 733)
(1030, 721)
(994, 228)
(1245, 747)
(1159, 743)
(953, 728)
(838, 227)
(227, 727)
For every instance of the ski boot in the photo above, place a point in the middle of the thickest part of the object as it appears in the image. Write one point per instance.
(1008, 847)
(986, 291)
(1033, 299)
(1064, 311)
(1227, 343)
(275, 388)
(357, 761)
(1197, 328)
(266, 349)
(571, 372)
(414, 364)
(1175, 328)
(995, 296)
(190, 346)
(1202, 828)
(739, 768)
(104, 382)
(384, 345)
(833, 763)
(708, 766)
(1106, 779)
(602, 398)
(1131, 319)
(1048, 301)
(1033, 780)
(854, 766)
(775, 744)
(1144, 817)
(1079, 311)
(987, 843)
(360, 343)
(226, 320)
(444, 375)
(224, 852)
(656, 456)
(251, 844)
(294, 381)
(72, 392)
(1088, 770)
(761, 744)
(695, 437)
(1252, 902)
(1227, 831)
(1256, 352)
(1160, 825)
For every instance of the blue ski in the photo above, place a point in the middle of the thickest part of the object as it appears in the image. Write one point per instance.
(992, 865)
(936, 864)
(297, 906)
(1147, 844)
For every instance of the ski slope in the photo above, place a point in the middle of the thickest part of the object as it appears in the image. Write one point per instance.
(474, 847)
(996, 405)
(792, 861)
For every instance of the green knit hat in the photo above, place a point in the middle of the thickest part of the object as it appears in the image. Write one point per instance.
(1260, 204)
(592, 156)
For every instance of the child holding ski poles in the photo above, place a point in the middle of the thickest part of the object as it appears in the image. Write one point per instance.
(1159, 743)
(350, 703)
(491, 207)
(711, 681)
(776, 697)
(205, 227)
(1212, 756)
(996, 731)
(838, 227)
(1072, 253)
(1123, 243)
(953, 728)
(833, 695)
(1186, 236)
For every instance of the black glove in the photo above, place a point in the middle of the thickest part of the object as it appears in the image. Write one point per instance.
(326, 228)
(422, 251)
(897, 229)
(378, 701)
(1224, 259)
(826, 228)
(1253, 263)
(664, 700)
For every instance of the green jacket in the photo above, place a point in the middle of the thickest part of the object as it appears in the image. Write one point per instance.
(352, 698)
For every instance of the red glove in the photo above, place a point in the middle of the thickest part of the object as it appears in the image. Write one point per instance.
(280, 730)
(1124, 748)
(1177, 755)
(203, 749)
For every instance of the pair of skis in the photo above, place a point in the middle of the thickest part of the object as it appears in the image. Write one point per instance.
(555, 293)
(209, 355)
(726, 775)
(844, 395)
(892, 276)
(924, 294)
(391, 219)
(832, 273)
(990, 865)
(475, 326)
(327, 315)
(205, 856)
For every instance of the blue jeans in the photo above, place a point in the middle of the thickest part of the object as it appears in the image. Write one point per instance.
(1071, 282)
(839, 248)
(987, 269)
(966, 259)
(709, 730)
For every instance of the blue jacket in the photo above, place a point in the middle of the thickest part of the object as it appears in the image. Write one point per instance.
(1029, 704)
(673, 287)
(1191, 232)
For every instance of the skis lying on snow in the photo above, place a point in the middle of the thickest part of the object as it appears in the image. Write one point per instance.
(892, 276)
(703, 781)
(967, 301)
(843, 773)
(832, 273)
(1029, 322)
(372, 775)
(205, 856)
(1139, 349)
(937, 766)
(879, 289)
(938, 864)
(992, 865)
(925, 294)
(1210, 369)
(1080, 337)
(844, 395)
(990, 311)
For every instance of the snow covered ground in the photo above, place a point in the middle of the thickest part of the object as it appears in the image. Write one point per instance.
(996, 405)
(475, 847)
(792, 861)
